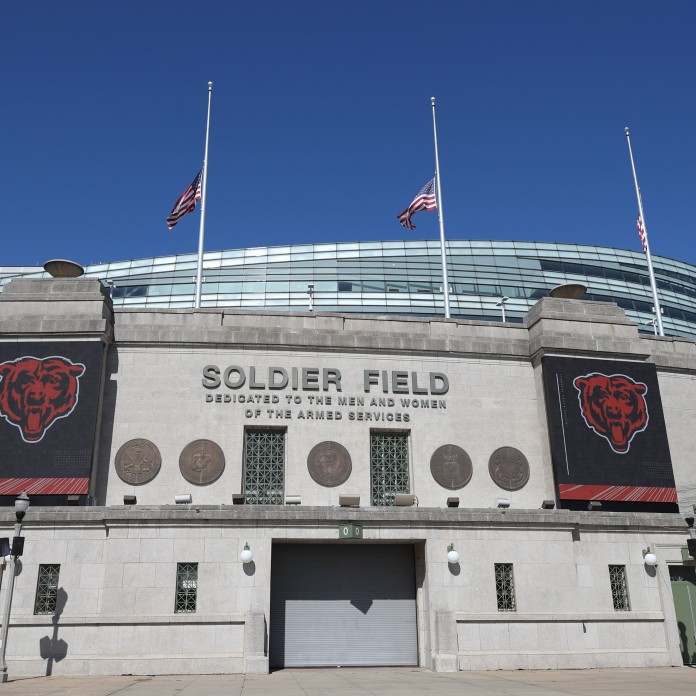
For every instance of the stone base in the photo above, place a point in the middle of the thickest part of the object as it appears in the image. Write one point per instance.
(256, 665)
(444, 663)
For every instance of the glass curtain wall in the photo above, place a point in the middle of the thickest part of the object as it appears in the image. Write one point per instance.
(404, 278)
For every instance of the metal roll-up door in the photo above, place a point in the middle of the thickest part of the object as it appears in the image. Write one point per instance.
(343, 605)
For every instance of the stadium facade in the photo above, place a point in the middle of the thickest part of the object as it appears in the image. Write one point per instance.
(404, 277)
(236, 489)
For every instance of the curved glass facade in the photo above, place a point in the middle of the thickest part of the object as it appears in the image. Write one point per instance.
(404, 277)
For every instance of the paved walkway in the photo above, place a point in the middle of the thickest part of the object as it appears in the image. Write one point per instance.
(374, 682)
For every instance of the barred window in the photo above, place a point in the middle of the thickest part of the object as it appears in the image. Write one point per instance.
(505, 587)
(388, 466)
(47, 589)
(619, 588)
(264, 467)
(186, 587)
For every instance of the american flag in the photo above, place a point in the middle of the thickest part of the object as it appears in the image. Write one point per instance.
(186, 203)
(642, 234)
(425, 200)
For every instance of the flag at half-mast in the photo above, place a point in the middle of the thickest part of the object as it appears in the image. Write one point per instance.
(186, 203)
(425, 200)
(642, 233)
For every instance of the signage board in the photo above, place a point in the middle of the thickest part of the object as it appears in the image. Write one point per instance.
(49, 395)
(350, 530)
(607, 432)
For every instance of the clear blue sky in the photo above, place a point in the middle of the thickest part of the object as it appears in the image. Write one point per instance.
(321, 122)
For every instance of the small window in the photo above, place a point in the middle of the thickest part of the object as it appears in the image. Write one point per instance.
(619, 588)
(47, 589)
(186, 588)
(505, 587)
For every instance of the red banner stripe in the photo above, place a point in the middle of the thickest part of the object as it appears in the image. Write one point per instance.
(642, 494)
(44, 486)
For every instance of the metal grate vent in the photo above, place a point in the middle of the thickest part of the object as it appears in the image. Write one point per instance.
(264, 467)
(186, 588)
(505, 587)
(47, 589)
(619, 588)
(389, 466)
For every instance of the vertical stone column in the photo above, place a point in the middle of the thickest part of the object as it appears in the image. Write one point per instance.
(445, 656)
(255, 642)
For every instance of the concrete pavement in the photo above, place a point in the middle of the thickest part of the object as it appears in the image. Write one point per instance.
(372, 681)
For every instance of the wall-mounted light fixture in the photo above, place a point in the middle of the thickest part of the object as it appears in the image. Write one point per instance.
(691, 541)
(293, 500)
(594, 505)
(404, 499)
(453, 502)
(246, 556)
(649, 558)
(129, 500)
(184, 499)
(452, 555)
(349, 500)
(238, 499)
(548, 504)
(502, 502)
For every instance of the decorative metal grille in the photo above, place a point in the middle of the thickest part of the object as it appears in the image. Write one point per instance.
(264, 467)
(619, 588)
(505, 587)
(47, 589)
(186, 587)
(389, 466)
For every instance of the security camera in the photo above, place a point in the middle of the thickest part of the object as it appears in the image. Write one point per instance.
(689, 521)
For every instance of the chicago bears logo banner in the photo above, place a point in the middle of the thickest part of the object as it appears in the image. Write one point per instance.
(607, 432)
(49, 394)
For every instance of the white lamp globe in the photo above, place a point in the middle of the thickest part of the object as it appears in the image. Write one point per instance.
(22, 502)
(246, 555)
(650, 559)
(452, 556)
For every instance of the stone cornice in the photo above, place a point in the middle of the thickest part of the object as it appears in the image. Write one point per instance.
(265, 516)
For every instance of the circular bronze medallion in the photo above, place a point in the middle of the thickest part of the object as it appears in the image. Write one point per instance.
(509, 468)
(202, 462)
(329, 464)
(451, 467)
(138, 462)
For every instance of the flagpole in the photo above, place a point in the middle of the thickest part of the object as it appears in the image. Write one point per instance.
(445, 282)
(201, 234)
(653, 284)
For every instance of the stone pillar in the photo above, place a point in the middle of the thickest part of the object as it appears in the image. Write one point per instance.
(445, 655)
(255, 642)
(60, 307)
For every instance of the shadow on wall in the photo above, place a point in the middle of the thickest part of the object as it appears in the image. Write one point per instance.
(105, 434)
(684, 644)
(53, 648)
